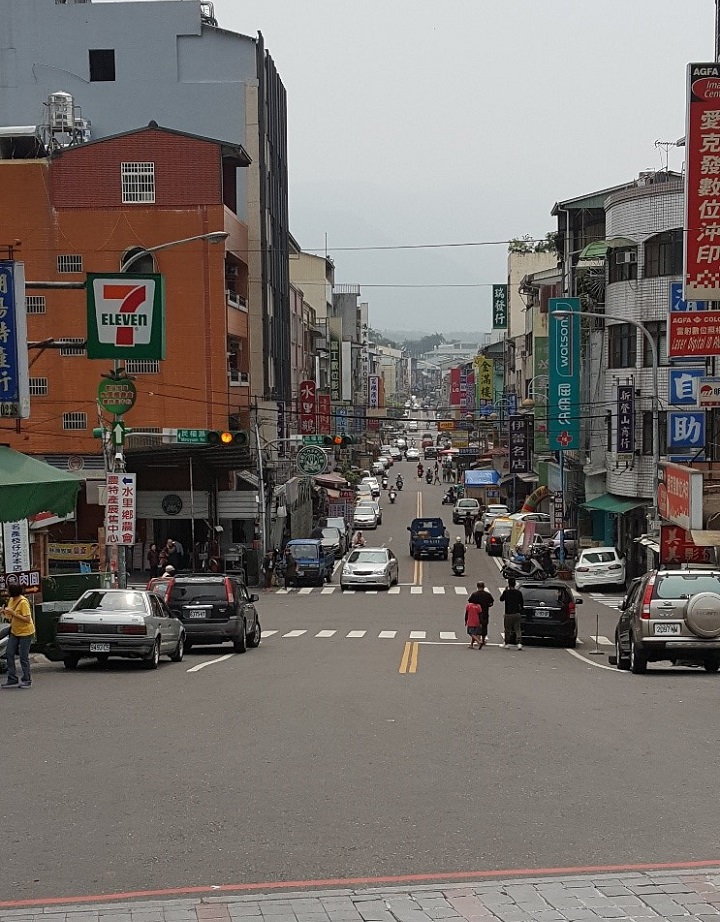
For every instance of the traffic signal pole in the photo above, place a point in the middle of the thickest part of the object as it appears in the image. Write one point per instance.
(261, 478)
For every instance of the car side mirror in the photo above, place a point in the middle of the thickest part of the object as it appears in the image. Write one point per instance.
(408, 528)
(622, 606)
(578, 601)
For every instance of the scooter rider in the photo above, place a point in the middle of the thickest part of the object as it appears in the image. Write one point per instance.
(392, 496)
(399, 482)
(420, 470)
(457, 552)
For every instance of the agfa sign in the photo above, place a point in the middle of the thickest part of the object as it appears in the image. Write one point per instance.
(680, 495)
(125, 316)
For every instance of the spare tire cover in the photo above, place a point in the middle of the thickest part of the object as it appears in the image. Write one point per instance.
(703, 614)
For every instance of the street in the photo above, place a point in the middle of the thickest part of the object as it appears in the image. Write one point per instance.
(362, 739)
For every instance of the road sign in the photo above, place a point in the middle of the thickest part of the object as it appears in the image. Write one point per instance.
(120, 506)
(117, 431)
(28, 580)
(116, 396)
(313, 439)
(192, 436)
(311, 460)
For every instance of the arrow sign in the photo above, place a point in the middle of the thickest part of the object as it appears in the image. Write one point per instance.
(118, 433)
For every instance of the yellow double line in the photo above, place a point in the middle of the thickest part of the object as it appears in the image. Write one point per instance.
(409, 661)
(418, 569)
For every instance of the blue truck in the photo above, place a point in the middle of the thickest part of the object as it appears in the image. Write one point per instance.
(428, 538)
(315, 563)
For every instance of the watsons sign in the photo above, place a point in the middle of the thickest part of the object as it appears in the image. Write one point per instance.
(564, 376)
(126, 316)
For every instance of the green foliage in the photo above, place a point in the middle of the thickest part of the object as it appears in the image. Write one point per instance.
(528, 244)
(417, 347)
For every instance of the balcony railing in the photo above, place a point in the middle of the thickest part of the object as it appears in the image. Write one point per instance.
(236, 301)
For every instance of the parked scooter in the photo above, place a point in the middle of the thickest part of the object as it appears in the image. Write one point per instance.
(392, 496)
(532, 567)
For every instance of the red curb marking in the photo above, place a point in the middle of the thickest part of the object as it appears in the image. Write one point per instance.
(340, 882)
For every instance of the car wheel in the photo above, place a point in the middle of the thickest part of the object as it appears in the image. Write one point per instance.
(253, 640)
(622, 661)
(151, 661)
(445, 555)
(103, 658)
(570, 644)
(638, 660)
(71, 661)
(343, 587)
(711, 665)
(240, 645)
(179, 652)
(188, 645)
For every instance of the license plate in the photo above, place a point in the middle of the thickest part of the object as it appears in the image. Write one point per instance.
(99, 647)
(541, 613)
(665, 629)
(196, 613)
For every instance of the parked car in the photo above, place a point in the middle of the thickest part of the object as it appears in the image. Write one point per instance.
(462, 507)
(378, 468)
(334, 540)
(129, 623)
(671, 615)
(600, 566)
(372, 482)
(571, 542)
(338, 521)
(363, 491)
(315, 562)
(376, 506)
(364, 516)
(396, 454)
(412, 454)
(215, 609)
(549, 611)
(492, 512)
(497, 535)
(370, 566)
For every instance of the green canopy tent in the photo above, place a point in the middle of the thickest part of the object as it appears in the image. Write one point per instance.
(29, 486)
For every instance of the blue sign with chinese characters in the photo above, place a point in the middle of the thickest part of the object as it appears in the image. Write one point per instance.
(564, 377)
(686, 429)
(683, 386)
(14, 385)
(678, 304)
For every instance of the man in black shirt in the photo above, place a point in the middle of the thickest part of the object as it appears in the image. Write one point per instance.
(484, 599)
(514, 602)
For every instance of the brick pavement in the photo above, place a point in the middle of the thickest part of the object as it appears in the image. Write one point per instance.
(690, 896)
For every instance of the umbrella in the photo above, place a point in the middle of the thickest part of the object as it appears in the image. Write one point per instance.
(29, 486)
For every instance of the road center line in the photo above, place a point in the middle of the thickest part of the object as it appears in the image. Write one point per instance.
(414, 658)
(210, 662)
(405, 659)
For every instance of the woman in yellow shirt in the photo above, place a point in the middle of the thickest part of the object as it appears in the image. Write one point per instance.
(22, 629)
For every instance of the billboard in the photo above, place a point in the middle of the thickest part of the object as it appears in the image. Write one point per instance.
(125, 316)
(483, 379)
(625, 431)
(374, 391)
(455, 395)
(14, 385)
(693, 335)
(564, 376)
(680, 495)
(334, 334)
(500, 307)
(519, 444)
(307, 407)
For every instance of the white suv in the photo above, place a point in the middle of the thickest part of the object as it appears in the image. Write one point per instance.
(464, 506)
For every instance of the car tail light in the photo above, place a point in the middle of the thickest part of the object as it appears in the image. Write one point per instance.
(571, 611)
(615, 566)
(132, 629)
(67, 628)
(647, 597)
(582, 569)
(228, 587)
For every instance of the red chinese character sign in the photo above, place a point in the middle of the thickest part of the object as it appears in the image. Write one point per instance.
(306, 401)
(677, 546)
(323, 410)
(694, 334)
(701, 279)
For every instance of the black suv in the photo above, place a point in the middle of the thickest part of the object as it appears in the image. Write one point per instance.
(214, 609)
(549, 611)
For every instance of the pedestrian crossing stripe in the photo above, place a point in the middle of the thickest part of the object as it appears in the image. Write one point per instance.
(393, 590)
(419, 636)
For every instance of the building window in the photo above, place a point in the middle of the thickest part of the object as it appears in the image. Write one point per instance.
(102, 65)
(72, 345)
(142, 367)
(67, 264)
(74, 420)
(623, 265)
(38, 387)
(647, 434)
(35, 304)
(138, 182)
(658, 330)
(622, 346)
(664, 254)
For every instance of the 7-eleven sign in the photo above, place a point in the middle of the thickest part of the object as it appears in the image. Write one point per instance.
(126, 316)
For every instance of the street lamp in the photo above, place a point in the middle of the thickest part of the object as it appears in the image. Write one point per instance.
(655, 397)
(210, 237)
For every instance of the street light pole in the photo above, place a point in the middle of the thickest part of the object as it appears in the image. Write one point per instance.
(655, 397)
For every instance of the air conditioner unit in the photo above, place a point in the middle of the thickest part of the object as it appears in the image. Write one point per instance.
(627, 256)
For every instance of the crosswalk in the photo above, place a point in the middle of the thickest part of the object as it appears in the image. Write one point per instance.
(404, 589)
(427, 636)
(611, 599)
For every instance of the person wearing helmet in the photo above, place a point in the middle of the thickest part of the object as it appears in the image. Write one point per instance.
(169, 572)
(458, 550)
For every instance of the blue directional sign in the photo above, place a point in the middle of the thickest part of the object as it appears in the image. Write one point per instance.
(683, 386)
(679, 305)
(686, 429)
(14, 384)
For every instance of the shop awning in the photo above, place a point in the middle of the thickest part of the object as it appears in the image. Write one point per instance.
(598, 248)
(609, 503)
(29, 486)
(486, 478)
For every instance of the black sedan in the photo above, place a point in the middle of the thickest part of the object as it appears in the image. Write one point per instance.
(549, 611)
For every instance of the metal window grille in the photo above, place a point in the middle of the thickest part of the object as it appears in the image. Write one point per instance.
(72, 345)
(138, 182)
(67, 263)
(38, 387)
(74, 420)
(35, 304)
(142, 367)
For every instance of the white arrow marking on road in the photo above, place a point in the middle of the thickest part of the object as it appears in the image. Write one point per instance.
(418, 635)
(460, 590)
(327, 590)
(438, 590)
(415, 590)
(294, 633)
(325, 633)
(387, 635)
(357, 633)
(306, 590)
(394, 590)
(210, 662)
(448, 635)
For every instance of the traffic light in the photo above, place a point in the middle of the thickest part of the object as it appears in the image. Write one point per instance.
(228, 438)
(341, 440)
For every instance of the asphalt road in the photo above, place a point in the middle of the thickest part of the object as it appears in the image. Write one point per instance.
(335, 755)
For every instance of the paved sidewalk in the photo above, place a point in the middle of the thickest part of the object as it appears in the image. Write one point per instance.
(638, 896)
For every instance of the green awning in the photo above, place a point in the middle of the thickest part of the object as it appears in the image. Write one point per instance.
(598, 249)
(29, 486)
(609, 503)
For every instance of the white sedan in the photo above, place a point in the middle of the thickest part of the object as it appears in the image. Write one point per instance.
(364, 516)
(412, 454)
(370, 566)
(600, 566)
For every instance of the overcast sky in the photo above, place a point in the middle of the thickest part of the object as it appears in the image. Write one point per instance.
(430, 122)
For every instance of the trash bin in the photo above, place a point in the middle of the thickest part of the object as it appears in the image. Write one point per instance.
(59, 594)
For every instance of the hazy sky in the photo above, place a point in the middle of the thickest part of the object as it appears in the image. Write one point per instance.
(431, 122)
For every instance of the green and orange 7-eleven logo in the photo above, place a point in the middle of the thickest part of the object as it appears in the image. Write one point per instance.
(126, 316)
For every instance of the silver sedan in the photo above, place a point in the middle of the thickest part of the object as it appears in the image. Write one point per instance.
(370, 566)
(120, 622)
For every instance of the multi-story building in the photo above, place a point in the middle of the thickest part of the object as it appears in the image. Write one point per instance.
(315, 275)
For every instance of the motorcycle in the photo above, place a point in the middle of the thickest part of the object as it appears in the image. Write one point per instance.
(392, 495)
(529, 568)
(429, 477)
(448, 499)
(399, 482)
(384, 483)
(458, 566)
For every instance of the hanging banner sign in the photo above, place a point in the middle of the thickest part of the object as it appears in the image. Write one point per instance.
(455, 387)
(694, 334)
(334, 335)
(625, 431)
(14, 383)
(16, 546)
(564, 376)
(500, 307)
(306, 400)
(323, 413)
(680, 495)
(701, 269)
(374, 392)
(519, 445)
(120, 509)
(483, 378)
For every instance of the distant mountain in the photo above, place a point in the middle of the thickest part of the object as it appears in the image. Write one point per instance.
(454, 336)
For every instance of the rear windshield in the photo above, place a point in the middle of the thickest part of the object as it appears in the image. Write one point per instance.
(497, 509)
(427, 525)
(331, 533)
(111, 601)
(470, 503)
(198, 592)
(679, 586)
(539, 596)
(502, 531)
(600, 557)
